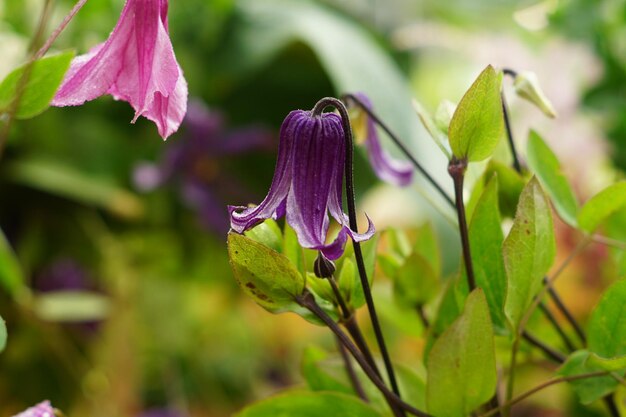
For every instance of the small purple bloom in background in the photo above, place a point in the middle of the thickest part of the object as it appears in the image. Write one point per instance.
(136, 64)
(193, 164)
(43, 409)
(307, 184)
(386, 168)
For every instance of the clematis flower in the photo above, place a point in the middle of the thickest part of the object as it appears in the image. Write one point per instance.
(43, 409)
(307, 184)
(136, 64)
(385, 167)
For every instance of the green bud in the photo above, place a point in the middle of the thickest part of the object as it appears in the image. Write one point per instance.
(527, 86)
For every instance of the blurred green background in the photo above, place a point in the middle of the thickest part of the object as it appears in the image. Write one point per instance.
(91, 202)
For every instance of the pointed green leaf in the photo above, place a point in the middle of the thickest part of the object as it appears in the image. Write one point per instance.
(462, 363)
(264, 274)
(528, 250)
(486, 239)
(309, 404)
(547, 168)
(607, 326)
(43, 81)
(601, 206)
(527, 87)
(478, 124)
(590, 389)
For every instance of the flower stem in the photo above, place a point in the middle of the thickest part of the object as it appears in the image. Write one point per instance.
(307, 301)
(350, 323)
(551, 353)
(354, 379)
(509, 134)
(456, 169)
(538, 388)
(350, 97)
(42, 51)
(566, 340)
(358, 254)
(558, 302)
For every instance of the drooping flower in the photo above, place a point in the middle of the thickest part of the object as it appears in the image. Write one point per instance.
(307, 184)
(136, 64)
(192, 165)
(385, 167)
(43, 409)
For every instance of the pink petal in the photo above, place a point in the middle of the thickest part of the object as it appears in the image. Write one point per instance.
(43, 409)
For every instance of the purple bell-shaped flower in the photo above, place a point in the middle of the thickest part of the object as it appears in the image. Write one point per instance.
(307, 184)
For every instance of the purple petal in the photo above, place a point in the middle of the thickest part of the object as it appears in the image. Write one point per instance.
(316, 155)
(136, 64)
(43, 409)
(386, 168)
(248, 217)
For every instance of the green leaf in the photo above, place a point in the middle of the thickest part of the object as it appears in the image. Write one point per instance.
(42, 83)
(324, 374)
(72, 306)
(415, 282)
(606, 331)
(486, 238)
(11, 277)
(267, 233)
(601, 206)
(547, 168)
(68, 182)
(309, 404)
(477, 124)
(608, 364)
(528, 250)
(3, 334)
(462, 363)
(348, 280)
(267, 276)
(590, 389)
(449, 309)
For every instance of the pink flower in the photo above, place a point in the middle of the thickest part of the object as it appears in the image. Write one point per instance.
(136, 64)
(43, 409)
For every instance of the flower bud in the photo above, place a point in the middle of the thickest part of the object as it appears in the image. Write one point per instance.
(323, 267)
(527, 86)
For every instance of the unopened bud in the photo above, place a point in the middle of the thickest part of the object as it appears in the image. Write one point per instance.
(527, 86)
(323, 267)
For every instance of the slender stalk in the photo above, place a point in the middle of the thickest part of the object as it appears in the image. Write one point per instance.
(23, 81)
(350, 97)
(566, 340)
(354, 379)
(558, 302)
(53, 37)
(538, 388)
(422, 315)
(533, 340)
(609, 401)
(456, 169)
(355, 332)
(350, 323)
(308, 301)
(506, 408)
(509, 134)
(358, 254)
